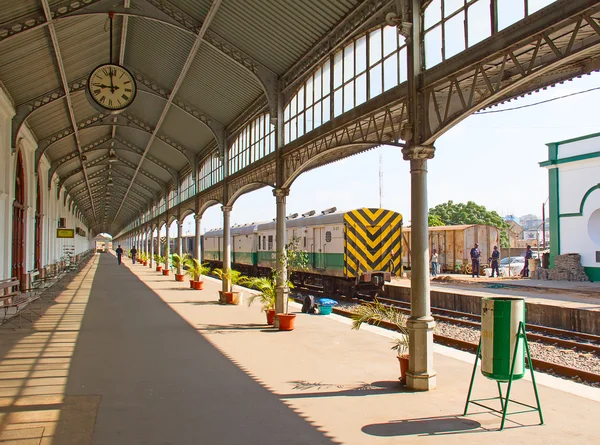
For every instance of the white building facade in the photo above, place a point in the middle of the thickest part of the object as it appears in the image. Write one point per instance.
(574, 180)
(29, 210)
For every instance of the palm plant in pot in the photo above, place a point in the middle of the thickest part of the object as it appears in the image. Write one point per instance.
(376, 313)
(266, 296)
(195, 270)
(231, 277)
(176, 265)
(165, 261)
(158, 259)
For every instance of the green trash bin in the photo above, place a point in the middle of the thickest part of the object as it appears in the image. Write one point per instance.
(500, 318)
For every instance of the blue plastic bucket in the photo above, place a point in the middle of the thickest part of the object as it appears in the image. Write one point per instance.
(325, 310)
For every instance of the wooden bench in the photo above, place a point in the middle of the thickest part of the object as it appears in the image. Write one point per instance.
(12, 297)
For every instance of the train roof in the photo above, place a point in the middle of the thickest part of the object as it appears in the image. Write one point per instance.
(302, 221)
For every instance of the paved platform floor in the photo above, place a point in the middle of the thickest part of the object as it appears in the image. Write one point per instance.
(126, 356)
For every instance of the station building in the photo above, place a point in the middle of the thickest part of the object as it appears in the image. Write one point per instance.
(573, 171)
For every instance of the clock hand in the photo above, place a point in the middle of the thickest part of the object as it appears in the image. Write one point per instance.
(112, 87)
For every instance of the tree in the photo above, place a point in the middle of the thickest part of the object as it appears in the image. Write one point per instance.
(434, 221)
(451, 214)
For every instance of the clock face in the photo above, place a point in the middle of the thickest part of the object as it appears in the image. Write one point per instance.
(112, 87)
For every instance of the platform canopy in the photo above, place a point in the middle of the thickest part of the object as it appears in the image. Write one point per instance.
(203, 68)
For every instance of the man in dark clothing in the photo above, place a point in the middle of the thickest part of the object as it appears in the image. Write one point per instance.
(475, 254)
(528, 256)
(119, 252)
(494, 259)
(133, 252)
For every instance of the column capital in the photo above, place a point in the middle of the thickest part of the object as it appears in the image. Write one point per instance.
(278, 193)
(198, 217)
(418, 152)
(226, 208)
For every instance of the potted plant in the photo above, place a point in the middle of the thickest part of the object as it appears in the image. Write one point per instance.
(195, 270)
(374, 313)
(176, 265)
(165, 261)
(266, 295)
(158, 259)
(294, 259)
(231, 277)
(144, 258)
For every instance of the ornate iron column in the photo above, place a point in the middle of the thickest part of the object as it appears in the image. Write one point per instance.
(179, 239)
(226, 245)
(281, 288)
(198, 246)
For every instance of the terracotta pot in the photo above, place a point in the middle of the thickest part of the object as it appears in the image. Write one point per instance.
(179, 277)
(403, 359)
(271, 317)
(145, 263)
(223, 297)
(286, 321)
(165, 272)
(236, 297)
(198, 285)
(158, 268)
(192, 284)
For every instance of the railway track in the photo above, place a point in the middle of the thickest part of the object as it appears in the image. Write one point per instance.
(542, 334)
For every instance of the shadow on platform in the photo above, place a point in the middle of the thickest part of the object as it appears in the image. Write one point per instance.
(426, 426)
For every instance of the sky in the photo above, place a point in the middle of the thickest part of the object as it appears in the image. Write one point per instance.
(492, 159)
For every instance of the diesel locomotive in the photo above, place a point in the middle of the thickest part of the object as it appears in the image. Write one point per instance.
(352, 253)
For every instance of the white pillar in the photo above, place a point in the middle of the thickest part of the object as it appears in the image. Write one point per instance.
(167, 247)
(281, 288)
(421, 375)
(198, 252)
(226, 244)
(179, 239)
(151, 247)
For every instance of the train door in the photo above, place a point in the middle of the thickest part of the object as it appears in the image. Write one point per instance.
(318, 253)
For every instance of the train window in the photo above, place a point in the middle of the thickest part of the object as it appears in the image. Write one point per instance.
(304, 241)
(264, 243)
(259, 243)
(270, 242)
(328, 236)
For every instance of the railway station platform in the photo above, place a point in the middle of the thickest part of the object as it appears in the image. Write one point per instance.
(127, 356)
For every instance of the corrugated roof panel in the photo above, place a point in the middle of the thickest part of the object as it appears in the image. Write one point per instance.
(186, 129)
(156, 50)
(82, 107)
(168, 155)
(10, 11)
(136, 137)
(147, 107)
(275, 32)
(197, 9)
(84, 43)
(49, 119)
(28, 67)
(154, 169)
(218, 86)
(61, 148)
(91, 134)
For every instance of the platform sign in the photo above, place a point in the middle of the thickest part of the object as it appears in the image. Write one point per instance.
(65, 233)
(500, 318)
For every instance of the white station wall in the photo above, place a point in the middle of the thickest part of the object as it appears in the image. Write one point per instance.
(52, 208)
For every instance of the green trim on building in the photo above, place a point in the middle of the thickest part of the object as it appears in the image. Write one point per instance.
(580, 138)
(593, 273)
(583, 157)
(554, 214)
(552, 152)
(582, 204)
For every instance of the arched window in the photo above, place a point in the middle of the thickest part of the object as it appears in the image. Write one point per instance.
(362, 70)
(254, 142)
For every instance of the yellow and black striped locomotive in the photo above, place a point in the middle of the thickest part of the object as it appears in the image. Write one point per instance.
(352, 252)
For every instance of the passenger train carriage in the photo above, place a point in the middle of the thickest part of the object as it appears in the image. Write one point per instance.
(351, 252)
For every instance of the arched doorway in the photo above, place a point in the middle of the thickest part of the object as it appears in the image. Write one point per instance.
(38, 226)
(18, 239)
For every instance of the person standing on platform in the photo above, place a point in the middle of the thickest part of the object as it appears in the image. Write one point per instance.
(133, 252)
(475, 254)
(119, 253)
(528, 256)
(434, 263)
(495, 258)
